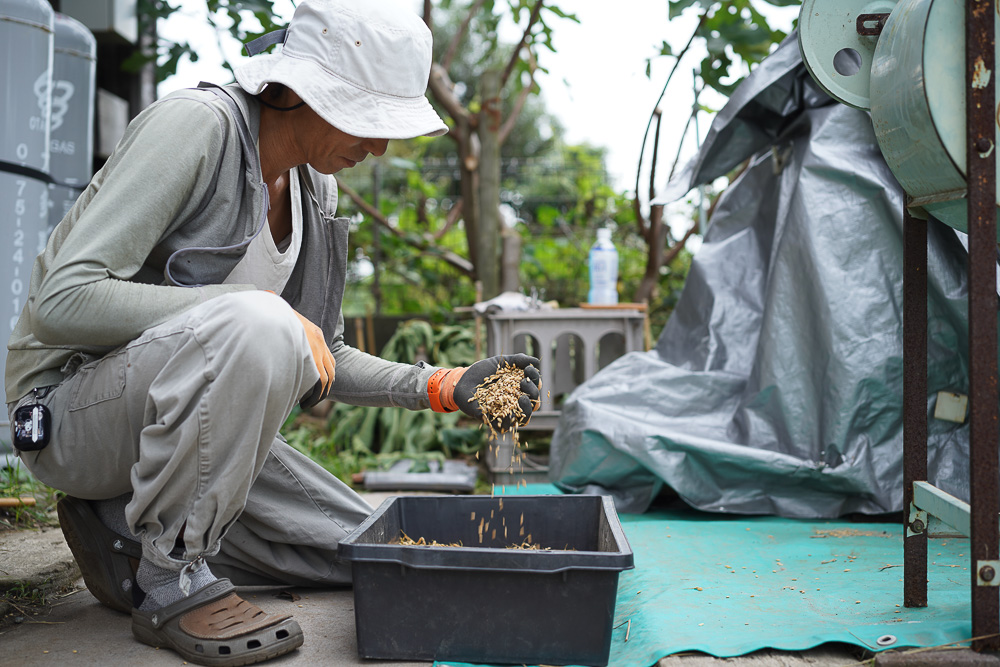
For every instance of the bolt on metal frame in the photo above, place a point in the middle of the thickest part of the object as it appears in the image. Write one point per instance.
(978, 519)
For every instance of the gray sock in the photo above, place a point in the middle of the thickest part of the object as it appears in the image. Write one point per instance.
(162, 586)
(111, 512)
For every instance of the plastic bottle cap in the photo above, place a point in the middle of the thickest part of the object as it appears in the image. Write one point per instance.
(604, 234)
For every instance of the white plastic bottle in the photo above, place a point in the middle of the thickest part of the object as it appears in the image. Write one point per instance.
(603, 270)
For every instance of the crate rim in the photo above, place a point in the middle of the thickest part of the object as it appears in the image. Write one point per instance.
(425, 557)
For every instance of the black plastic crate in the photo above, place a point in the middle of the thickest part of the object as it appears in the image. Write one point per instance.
(488, 603)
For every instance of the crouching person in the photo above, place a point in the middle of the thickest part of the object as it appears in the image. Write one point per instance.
(188, 301)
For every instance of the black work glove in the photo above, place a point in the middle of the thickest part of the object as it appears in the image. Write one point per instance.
(475, 374)
(315, 395)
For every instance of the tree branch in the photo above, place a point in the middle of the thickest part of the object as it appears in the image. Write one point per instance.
(640, 219)
(671, 254)
(449, 55)
(535, 12)
(454, 215)
(427, 13)
(656, 152)
(422, 211)
(680, 145)
(376, 214)
(670, 76)
(647, 227)
(443, 91)
(422, 243)
(654, 242)
(522, 98)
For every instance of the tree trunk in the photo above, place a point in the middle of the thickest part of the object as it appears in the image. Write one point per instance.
(488, 243)
(468, 151)
(655, 237)
(510, 276)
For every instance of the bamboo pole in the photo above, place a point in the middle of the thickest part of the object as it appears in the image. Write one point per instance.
(26, 501)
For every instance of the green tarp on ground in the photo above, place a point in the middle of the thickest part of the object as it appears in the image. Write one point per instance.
(729, 585)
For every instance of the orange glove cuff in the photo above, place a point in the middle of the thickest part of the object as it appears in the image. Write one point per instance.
(441, 389)
(451, 379)
(436, 392)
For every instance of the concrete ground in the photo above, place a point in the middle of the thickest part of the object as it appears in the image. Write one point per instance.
(80, 631)
(73, 628)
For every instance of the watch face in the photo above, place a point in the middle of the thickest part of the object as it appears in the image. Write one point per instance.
(31, 427)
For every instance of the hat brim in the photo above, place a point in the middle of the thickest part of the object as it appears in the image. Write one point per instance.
(359, 112)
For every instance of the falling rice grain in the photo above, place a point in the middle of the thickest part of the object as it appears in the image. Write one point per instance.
(498, 397)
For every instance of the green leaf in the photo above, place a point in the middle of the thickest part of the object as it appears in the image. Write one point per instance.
(677, 7)
(546, 215)
(403, 163)
(137, 60)
(561, 14)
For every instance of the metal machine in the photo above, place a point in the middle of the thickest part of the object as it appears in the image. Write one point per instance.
(926, 71)
(904, 63)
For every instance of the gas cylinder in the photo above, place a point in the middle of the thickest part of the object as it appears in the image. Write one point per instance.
(26, 42)
(71, 127)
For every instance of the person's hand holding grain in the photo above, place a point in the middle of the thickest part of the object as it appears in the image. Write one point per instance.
(505, 387)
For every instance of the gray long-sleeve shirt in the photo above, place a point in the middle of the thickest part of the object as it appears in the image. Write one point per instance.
(180, 178)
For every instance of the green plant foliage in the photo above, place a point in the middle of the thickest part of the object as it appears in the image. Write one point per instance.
(352, 439)
(24, 593)
(559, 198)
(735, 33)
(17, 482)
(232, 17)
(410, 281)
(562, 202)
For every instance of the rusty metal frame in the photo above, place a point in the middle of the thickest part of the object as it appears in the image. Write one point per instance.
(984, 398)
(914, 405)
(984, 538)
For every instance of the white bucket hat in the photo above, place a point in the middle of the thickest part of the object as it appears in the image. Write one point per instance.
(363, 66)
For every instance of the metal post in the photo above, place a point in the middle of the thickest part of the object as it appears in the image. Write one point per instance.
(914, 404)
(984, 542)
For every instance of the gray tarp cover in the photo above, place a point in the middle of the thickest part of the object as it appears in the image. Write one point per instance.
(776, 386)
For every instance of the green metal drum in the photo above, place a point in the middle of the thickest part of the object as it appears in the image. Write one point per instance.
(918, 104)
(837, 57)
(912, 78)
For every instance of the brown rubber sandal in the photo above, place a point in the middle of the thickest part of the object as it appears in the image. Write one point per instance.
(214, 626)
(107, 560)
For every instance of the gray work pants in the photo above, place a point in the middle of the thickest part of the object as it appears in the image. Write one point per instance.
(186, 418)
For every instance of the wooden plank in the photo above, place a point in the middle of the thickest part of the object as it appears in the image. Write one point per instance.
(613, 306)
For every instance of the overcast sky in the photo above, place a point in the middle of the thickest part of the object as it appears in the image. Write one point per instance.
(597, 86)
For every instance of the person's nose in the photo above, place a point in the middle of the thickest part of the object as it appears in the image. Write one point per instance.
(376, 147)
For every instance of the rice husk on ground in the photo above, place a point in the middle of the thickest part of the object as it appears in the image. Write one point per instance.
(407, 541)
